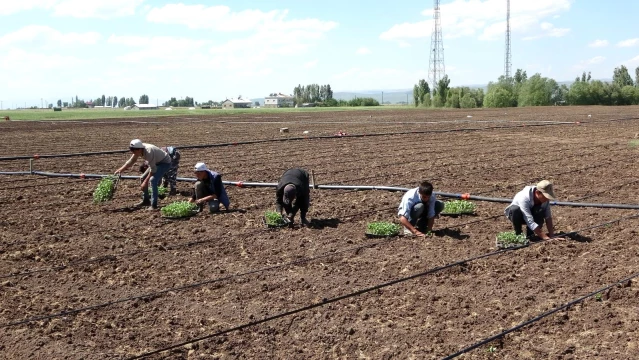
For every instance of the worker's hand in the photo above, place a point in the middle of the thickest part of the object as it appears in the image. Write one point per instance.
(118, 172)
(419, 233)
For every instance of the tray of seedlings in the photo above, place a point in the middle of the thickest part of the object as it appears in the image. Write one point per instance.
(382, 229)
(274, 220)
(457, 208)
(106, 189)
(509, 239)
(179, 210)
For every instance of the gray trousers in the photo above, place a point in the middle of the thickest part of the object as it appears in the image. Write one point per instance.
(419, 213)
(516, 216)
(202, 191)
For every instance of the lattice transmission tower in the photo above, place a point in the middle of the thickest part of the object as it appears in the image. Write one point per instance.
(508, 59)
(436, 69)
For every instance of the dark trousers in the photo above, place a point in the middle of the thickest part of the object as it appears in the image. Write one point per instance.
(419, 214)
(516, 216)
(202, 191)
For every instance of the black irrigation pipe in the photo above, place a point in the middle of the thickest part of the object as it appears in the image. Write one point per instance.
(326, 301)
(464, 196)
(248, 142)
(539, 317)
(156, 294)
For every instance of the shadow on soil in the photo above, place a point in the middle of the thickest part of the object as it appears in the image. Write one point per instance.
(320, 224)
(126, 209)
(577, 237)
(455, 234)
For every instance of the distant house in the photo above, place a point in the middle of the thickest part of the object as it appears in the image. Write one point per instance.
(146, 106)
(90, 104)
(238, 103)
(279, 100)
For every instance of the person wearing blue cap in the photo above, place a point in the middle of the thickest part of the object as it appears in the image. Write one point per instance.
(293, 194)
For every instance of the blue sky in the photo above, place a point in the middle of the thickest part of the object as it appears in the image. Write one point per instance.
(55, 49)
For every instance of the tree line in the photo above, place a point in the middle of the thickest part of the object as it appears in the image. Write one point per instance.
(521, 90)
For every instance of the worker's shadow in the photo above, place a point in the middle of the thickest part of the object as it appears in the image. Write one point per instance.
(320, 224)
(575, 237)
(455, 234)
(126, 209)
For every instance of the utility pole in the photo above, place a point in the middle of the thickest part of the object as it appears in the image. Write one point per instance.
(41, 103)
(382, 98)
(508, 58)
(436, 68)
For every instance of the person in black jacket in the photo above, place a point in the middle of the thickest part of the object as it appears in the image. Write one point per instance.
(293, 194)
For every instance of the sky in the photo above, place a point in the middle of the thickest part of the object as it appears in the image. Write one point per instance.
(57, 49)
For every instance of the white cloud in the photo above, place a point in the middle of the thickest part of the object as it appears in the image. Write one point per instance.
(103, 9)
(363, 51)
(598, 43)
(311, 64)
(485, 19)
(22, 60)
(633, 62)
(37, 36)
(628, 43)
(548, 30)
(583, 65)
(165, 52)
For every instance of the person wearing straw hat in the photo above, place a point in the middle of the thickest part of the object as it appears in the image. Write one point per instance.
(293, 194)
(209, 189)
(159, 163)
(418, 209)
(531, 206)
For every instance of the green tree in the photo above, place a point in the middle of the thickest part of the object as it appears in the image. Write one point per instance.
(621, 77)
(637, 76)
(416, 95)
(423, 90)
(579, 93)
(501, 93)
(144, 99)
(442, 88)
(59, 103)
(115, 101)
(538, 91)
(122, 102)
(65, 104)
(103, 100)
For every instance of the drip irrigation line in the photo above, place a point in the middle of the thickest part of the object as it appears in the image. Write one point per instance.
(539, 317)
(156, 294)
(464, 196)
(319, 137)
(326, 301)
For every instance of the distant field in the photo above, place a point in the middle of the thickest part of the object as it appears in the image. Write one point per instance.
(84, 114)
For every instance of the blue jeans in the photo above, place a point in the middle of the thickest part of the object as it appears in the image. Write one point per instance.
(155, 181)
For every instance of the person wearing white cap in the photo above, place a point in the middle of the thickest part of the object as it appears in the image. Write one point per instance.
(531, 206)
(159, 163)
(209, 189)
(293, 194)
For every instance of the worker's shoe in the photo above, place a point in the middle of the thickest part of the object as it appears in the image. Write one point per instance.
(144, 202)
(408, 232)
(173, 192)
(151, 208)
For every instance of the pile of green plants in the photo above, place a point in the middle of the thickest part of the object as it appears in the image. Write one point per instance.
(383, 228)
(459, 207)
(162, 191)
(179, 209)
(273, 218)
(509, 239)
(105, 190)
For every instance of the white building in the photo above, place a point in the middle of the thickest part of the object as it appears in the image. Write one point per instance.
(236, 103)
(279, 100)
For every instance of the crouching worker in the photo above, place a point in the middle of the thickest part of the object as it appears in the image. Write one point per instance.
(159, 163)
(293, 194)
(531, 206)
(209, 189)
(418, 209)
(170, 177)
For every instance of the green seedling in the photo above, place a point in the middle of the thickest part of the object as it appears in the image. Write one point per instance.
(459, 207)
(162, 191)
(509, 239)
(633, 143)
(383, 228)
(179, 209)
(274, 218)
(599, 297)
(492, 349)
(105, 189)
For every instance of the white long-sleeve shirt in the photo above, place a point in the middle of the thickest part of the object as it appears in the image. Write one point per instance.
(410, 199)
(525, 199)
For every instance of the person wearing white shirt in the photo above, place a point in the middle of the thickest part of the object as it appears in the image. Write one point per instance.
(418, 209)
(531, 206)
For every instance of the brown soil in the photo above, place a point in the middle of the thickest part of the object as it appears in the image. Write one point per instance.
(70, 254)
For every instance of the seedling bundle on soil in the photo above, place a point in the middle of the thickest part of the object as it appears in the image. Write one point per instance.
(105, 189)
(274, 219)
(382, 229)
(509, 239)
(458, 207)
(179, 209)
(162, 191)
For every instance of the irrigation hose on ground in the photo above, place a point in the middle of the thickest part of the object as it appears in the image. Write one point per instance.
(241, 184)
